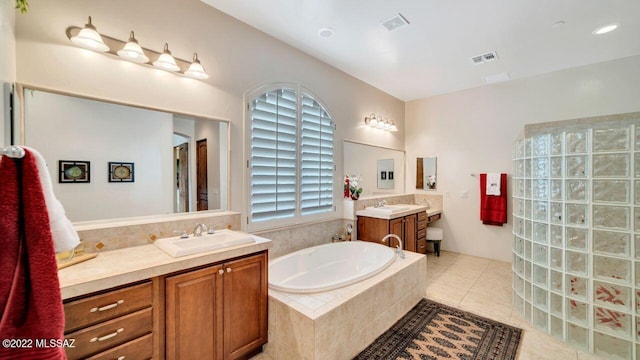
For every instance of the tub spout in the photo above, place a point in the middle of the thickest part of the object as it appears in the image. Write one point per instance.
(399, 249)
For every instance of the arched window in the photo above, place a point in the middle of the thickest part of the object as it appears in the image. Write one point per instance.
(291, 166)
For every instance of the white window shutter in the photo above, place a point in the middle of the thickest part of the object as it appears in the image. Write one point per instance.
(273, 155)
(316, 158)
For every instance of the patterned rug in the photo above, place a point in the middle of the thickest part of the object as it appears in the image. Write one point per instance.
(436, 331)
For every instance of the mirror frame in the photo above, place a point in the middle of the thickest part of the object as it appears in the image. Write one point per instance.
(19, 93)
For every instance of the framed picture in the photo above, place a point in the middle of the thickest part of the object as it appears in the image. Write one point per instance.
(383, 175)
(121, 172)
(73, 171)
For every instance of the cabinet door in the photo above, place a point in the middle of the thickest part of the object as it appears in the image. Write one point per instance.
(194, 315)
(396, 226)
(410, 228)
(372, 229)
(245, 306)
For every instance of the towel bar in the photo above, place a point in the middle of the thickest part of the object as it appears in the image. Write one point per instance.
(12, 152)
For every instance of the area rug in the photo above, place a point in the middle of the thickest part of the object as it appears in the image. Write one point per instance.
(435, 331)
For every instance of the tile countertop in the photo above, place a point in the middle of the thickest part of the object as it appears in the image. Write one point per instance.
(124, 266)
(412, 210)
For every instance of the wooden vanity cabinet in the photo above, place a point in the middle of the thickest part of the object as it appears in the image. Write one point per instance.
(410, 228)
(111, 324)
(217, 312)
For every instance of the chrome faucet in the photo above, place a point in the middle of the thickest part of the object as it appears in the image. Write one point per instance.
(199, 229)
(212, 228)
(399, 249)
(380, 203)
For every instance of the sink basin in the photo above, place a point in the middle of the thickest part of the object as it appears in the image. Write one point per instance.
(176, 246)
(388, 209)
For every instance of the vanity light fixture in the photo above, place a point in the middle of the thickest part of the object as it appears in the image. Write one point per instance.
(132, 51)
(196, 71)
(166, 61)
(380, 123)
(89, 38)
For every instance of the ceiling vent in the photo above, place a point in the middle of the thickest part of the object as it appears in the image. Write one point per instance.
(395, 22)
(485, 58)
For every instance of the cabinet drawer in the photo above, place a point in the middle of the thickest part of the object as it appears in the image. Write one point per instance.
(422, 224)
(422, 234)
(110, 333)
(140, 348)
(434, 217)
(422, 246)
(422, 215)
(94, 309)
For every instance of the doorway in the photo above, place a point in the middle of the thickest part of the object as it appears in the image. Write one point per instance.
(181, 171)
(201, 175)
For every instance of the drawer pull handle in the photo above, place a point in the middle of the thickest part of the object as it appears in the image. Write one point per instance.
(107, 337)
(107, 307)
(120, 357)
(228, 270)
(221, 272)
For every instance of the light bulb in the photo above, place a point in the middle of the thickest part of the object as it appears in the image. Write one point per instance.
(196, 71)
(89, 38)
(132, 51)
(166, 61)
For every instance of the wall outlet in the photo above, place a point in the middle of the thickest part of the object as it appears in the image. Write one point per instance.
(447, 194)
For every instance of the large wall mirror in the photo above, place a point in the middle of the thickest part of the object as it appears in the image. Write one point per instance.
(381, 169)
(426, 173)
(137, 161)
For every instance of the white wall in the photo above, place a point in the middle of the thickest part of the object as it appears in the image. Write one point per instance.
(115, 133)
(473, 131)
(7, 64)
(238, 58)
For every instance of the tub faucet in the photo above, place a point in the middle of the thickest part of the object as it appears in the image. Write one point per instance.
(199, 229)
(399, 249)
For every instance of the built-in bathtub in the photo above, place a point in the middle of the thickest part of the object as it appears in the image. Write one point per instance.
(339, 323)
(328, 267)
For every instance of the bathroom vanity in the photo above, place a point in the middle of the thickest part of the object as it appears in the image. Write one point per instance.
(409, 222)
(140, 303)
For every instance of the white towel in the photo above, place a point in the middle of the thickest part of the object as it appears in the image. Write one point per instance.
(493, 184)
(64, 234)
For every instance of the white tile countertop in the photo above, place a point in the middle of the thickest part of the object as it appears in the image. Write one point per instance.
(412, 209)
(123, 266)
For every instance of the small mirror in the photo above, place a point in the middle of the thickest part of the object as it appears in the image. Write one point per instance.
(386, 174)
(426, 170)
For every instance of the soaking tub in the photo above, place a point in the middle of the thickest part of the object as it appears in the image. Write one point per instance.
(328, 267)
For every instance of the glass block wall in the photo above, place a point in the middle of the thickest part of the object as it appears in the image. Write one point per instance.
(576, 234)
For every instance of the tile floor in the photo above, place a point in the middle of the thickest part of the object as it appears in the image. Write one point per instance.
(483, 286)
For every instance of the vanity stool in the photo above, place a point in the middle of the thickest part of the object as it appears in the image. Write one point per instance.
(434, 235)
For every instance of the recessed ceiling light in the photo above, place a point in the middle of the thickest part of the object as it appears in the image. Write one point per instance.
(605, 29)
(326, 32)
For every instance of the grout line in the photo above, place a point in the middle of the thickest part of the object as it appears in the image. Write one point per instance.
(475, 282)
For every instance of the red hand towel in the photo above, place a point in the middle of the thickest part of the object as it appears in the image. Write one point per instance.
(493, 209)
(30, 301)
